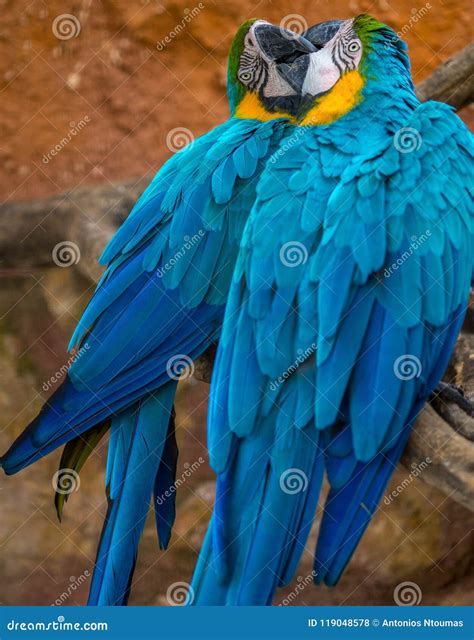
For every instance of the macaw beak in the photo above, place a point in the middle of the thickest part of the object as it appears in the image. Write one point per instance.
(321, 75)
(287, 50)
(320, 34)
(278, 44)
(321, 71)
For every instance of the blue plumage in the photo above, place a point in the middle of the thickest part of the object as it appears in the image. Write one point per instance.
(142, 433)
(162, 296)
(164, 494)
(374, 302)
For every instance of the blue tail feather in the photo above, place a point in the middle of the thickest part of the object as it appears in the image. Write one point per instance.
(164, 494)
(351, 504)
(349, 510)
(137, 455)
(260, 522)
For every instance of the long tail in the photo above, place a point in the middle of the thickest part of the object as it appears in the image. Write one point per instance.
(270, 537)
(349, 510)
(258, 529)
(137, 443)
(262, 518)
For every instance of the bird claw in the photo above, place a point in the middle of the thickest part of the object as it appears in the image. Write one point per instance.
(461, 415)
(452, 394)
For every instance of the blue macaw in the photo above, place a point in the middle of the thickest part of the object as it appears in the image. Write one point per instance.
(350, 289)
(160, 303)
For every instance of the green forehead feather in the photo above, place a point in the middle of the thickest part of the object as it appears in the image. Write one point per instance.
(237, 47)
(376, 36)
(235, 90)
(366, 27)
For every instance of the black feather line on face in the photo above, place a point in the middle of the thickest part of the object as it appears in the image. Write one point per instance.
(340, 54)
(336, 56)
(255, 70)
(262, 75)
(251, 63)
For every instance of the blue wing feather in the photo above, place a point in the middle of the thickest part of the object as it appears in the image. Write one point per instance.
(143, 435)
(371, 291)
(137, 318)
(162, 296)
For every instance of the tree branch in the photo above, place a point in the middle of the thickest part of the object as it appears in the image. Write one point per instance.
(88, 217)
(452, 82)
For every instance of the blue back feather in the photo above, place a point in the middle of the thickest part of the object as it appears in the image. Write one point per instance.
(382, 279)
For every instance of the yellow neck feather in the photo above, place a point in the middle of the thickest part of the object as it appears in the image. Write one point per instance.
(345, 95)
(251, 108)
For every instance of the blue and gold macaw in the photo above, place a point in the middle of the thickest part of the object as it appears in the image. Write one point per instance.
(160, 303)
(350, 288)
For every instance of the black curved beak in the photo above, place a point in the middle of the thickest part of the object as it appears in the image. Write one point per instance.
(281, 45)
(288, 50)
(320, 34)
(295, 72)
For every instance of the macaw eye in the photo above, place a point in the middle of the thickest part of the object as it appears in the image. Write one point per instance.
(353, 46)
(245, 76)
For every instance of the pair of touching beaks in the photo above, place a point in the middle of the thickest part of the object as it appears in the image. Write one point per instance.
(302, 59)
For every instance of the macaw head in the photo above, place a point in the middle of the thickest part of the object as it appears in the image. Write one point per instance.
(267, 70)
(354, 58)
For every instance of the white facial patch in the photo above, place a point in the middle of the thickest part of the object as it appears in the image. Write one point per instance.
(322, 73)
(276, 86)
(341, 54)
(258, 71)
